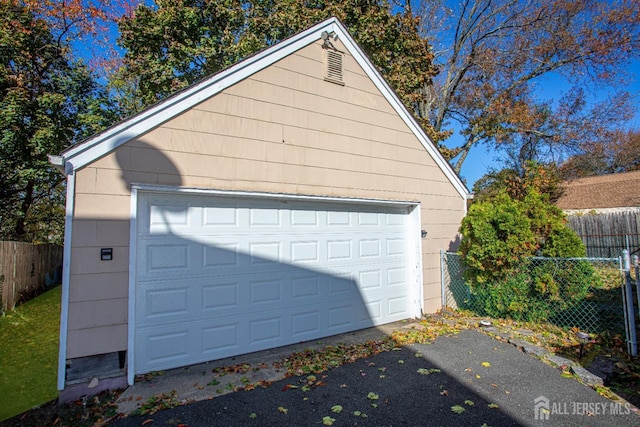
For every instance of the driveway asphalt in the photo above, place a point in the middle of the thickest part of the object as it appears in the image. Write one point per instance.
(465, 379)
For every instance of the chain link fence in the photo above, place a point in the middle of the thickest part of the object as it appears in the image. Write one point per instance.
(571, 292)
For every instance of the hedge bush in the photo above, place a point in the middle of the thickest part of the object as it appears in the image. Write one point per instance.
(501, 237)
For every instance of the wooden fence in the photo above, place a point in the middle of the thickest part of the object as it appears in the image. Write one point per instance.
(607, 234)
(26, 268)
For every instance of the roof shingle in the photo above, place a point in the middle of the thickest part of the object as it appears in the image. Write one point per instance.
(604, 191)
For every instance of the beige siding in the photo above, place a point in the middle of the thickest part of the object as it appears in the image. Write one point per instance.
(282, 130)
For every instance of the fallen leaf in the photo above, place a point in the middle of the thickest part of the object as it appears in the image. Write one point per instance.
(493, 405)
(478, 376)
(288, 387)
(444, 393)
(149, 421)
(486, 364)
(253, 415)
(372, 396)
(469, 402)
(328, 421)
(343, 386)
(457, 409)
(336, 409)
(283, 410)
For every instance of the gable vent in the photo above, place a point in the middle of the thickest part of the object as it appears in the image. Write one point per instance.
(333, 71)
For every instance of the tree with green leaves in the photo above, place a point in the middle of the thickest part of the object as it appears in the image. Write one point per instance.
(501, 235)
(177, 42)
(47, 102)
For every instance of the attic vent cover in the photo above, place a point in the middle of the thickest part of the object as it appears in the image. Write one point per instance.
(333, 66)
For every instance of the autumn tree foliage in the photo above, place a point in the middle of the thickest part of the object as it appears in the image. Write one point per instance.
(177, 42)
(618, 153)
(518, 181)
(494, 55)
(47, 101)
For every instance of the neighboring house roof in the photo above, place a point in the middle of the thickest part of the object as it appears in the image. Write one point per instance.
(620, 190)
(101, 144)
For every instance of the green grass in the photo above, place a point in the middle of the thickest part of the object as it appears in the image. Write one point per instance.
(29, 354)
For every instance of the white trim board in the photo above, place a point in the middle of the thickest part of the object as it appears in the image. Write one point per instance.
(66, 277)
(257, 194)
(131, 310)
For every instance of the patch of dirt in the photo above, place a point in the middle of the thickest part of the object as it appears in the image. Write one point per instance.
(94, 411)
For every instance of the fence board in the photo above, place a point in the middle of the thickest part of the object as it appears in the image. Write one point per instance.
(25, 268)
(607, 234)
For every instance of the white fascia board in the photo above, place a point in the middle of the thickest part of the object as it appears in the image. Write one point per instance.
(102, 144)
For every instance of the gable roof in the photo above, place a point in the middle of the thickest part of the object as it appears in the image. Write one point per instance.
(103, 143)
(604, 191)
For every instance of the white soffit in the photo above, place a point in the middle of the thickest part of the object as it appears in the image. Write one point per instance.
(102, 144)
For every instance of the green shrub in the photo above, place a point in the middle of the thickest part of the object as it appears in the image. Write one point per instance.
(501, 237)
(498, 234)
(540, 290)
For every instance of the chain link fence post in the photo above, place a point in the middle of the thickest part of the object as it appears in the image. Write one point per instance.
(630, 316)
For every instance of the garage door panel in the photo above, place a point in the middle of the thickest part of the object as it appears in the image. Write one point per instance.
(167, 302)
(305, 251)
(220, 297)
(168, 257)
(396, 247)
(223, 216)
(308, 218)
(265, 252)
(229, 276)
(265, 291)
(221, 256)
(165, 216)
(397, 277)
(220, 340)
(369, 248)
(397, 306)
(164, 348)
(339, 250)
(305, 288)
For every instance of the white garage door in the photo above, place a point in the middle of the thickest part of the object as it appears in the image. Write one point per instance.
(221, 276)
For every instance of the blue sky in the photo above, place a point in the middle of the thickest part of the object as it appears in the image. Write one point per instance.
(480, 159)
